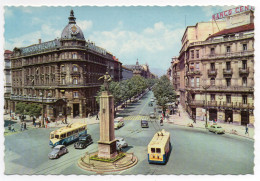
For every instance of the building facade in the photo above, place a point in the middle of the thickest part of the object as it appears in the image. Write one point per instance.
(141, 70)
(218, 73)
(8, 79)
(62, 74)
(126, 73)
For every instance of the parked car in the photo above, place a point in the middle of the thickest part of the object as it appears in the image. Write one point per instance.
(58, 151)
(121, 143)
(216, 129)
(152, 100)
(118, 122)
(144, 124)
(83, 142)
(152, 115)
(150, 104)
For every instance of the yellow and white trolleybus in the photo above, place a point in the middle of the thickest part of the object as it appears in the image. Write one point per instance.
(159, 147)
(67, 134)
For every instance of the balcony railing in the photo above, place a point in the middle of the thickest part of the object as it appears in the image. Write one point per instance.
(221, 104)
(212, 103)
(243, 71)
(227, 71)
(194, 72)
(76, 73)
(213, 72)
(196, 102)
(33, 99)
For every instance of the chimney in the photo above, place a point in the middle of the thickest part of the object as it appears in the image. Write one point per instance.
(40, 41)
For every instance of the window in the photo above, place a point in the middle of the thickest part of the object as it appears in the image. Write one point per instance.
(228, 66)
(63, 81)
(212, 66)
(75, 81)
(192, 82)
(244, 99)
(212, 81)
(244, 64)
(198, 82)
(57, 136)
(75, 94)
(62, 136)
(197, 66)
(212, 51)
(193, 97)
(192, 67)
(228, 98)
(153, 150)
(74, 56)
(244, 81)
(228, 80)
(75, 68)
(228, 49)
(197, 54)
(212, 97)
(63, 68)
(158, 150)
(192, 54)
(244, 47)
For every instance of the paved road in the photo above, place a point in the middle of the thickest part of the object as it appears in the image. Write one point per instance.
(195, 151)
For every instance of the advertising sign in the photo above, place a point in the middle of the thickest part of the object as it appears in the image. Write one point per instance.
(233, 11)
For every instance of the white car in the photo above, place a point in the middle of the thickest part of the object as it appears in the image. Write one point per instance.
(120, 143)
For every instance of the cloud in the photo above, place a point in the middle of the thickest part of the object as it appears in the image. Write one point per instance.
(84, 24)
(46, 33)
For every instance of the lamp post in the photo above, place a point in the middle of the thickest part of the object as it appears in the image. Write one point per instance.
(42, 121)
(206, 87)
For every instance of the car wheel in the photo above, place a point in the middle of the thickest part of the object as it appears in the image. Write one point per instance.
(58, 156)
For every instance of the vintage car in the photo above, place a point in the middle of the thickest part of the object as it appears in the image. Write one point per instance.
(121, 143)
(144, 124)
(216, 129)
(152, 115)
(83, 142)
(118, 122)
(150, 104)
(58, 151)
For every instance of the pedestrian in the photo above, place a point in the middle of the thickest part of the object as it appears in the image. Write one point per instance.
(9, 127)
(40, 124)
(12, 128)
(33, 120)
(229, 120)
(97, 117)
(161, 121)
(194, 119)
(247, 129)
(66, 119)
(22, 126)
(179, 113)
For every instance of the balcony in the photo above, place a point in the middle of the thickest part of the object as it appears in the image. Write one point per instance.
(212, 103)
(33, 99)
(76, 73)
(243, 71)
(246, 106)
(212, 72)
(227, 72)
(227, 104)
(196, 103)
(194, 72)
(228, 55)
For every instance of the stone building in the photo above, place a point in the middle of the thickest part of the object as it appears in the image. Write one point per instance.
(8, 79)
(126, 73)
(173, 74)
(62, 74)
(142, 70)
(217, 74)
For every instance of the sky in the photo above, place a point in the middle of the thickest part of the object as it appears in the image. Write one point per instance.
(150, 34)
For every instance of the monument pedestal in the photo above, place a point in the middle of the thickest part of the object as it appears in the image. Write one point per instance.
(107, 142)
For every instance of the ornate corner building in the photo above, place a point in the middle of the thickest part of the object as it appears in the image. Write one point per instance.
(62, 74)
(216, 68)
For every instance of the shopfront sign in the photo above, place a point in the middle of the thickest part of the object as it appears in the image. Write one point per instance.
(233, 11)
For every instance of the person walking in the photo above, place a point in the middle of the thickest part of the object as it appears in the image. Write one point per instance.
(179, 113)
(161, 121)
(9, 127)
(97, 117)
(12, 128)
(22, 126)
(229, 120)
(247, 129)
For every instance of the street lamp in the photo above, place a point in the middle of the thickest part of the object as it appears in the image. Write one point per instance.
(42, 121)
(206, 87)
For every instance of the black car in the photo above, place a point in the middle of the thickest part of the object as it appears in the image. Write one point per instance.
(144, 124)
(83, 142)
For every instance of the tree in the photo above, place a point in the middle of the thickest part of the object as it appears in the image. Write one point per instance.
(20, 108)
(31, 109)
(164, 92)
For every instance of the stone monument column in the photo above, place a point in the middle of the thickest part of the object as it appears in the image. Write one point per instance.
(107, 142)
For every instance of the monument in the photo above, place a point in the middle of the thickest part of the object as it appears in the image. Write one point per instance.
(107, 142)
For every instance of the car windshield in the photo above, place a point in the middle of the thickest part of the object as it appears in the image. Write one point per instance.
(82, 138)
(144, 122)
(57, 136)
(116, 121)
(56, 149)
(52, 136)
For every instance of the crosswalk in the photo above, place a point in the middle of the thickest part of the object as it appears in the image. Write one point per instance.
(136, 117)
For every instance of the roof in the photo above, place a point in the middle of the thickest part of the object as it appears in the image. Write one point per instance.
(68, 127)
(8, 52)
(160, 138)
(242, 28)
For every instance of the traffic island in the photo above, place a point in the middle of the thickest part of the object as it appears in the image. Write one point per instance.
(91, 162)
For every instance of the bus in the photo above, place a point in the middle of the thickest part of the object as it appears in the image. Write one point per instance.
(67, 134)
(159, 147)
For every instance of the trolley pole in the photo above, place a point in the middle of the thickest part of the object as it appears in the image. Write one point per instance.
(206, 87)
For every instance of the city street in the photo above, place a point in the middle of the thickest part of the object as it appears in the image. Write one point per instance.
(195, 151)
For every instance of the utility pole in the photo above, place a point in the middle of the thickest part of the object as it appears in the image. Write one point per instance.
(206, 87)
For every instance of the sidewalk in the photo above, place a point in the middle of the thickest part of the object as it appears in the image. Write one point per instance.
(184, 120)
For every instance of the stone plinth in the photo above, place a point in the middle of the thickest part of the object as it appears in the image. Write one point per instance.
(107, 142)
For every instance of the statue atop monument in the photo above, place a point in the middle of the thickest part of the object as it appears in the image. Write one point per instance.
(107, 79)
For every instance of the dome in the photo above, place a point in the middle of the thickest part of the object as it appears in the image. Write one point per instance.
(72, 31)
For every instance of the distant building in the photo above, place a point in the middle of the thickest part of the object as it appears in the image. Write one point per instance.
(217, 70)
(126, 73)
(62, 74)
(173, 73)
(8, 79)
(141, 70)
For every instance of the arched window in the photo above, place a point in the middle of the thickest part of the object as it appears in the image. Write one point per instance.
(62, 68)
(75, 81)
(212, 81)
(74, 68)
(74, 56)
